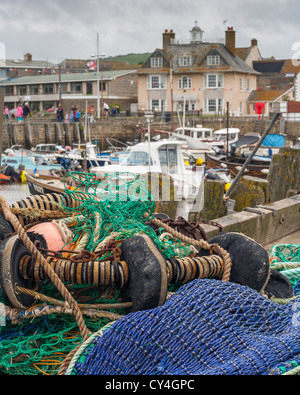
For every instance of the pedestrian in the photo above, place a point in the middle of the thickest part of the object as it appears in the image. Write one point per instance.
(26, 110)
(106, 109)
(60, 114)
(117, 111)
(67, 118)
(77, 115)
(6, 112)
(19, 113)
(113, 111)
(92, 119)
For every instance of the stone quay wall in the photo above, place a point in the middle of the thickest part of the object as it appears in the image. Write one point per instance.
(126, 128)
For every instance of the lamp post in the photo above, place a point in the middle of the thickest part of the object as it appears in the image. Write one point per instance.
(99, 108)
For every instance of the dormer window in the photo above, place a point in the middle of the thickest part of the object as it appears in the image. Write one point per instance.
(185, 61)
(156, 62)
(213, 60)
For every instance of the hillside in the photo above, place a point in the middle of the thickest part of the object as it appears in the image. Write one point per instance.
(131, 58)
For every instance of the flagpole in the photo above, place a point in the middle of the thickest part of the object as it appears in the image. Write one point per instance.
(98, 82)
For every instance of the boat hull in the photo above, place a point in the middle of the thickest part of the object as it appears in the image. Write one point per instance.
(234, 165)
(45, 184)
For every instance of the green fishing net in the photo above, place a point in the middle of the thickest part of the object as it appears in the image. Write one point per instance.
(38, 345)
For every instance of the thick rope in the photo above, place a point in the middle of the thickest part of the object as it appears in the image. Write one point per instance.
(47, 268)
(197, 243)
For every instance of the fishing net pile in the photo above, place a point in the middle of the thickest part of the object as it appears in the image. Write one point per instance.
(285, 258)
(207, 327)
(37, 341)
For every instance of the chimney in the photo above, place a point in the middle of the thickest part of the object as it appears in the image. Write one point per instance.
(254, 42)
(28, 57)
(230, 40)
(167, 37)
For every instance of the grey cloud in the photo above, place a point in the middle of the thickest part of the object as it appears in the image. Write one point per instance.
(67, 29)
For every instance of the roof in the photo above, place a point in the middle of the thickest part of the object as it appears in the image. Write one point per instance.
(199, 52)
(269, 66)
(243, 53)
(284, 66)
(267, 95)
(34, 64)
(71, 77)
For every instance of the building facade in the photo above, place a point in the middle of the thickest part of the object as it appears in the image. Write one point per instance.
(46, 91)
(197, 76)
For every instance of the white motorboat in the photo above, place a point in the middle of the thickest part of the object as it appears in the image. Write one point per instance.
(164, 156)
(219, 140)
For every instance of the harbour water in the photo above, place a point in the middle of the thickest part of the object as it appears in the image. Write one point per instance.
(14, 192)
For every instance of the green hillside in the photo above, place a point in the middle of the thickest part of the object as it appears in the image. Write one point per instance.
(132, 58)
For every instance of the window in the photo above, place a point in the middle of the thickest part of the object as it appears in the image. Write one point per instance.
(248, 85)
(241, 107)
(241, 84)
(185, 82)
(34, 89)
(137, 158)
(168, 159)
(22, 90)
(89, 88)
(156, 82)
(213, 105)
(213, 81)
(48, 89)
(156, 62)
(76, 87)
(185, 61)
(213, 60)
(9, 90)
(156, 105)
(64, 87)
(102, 86)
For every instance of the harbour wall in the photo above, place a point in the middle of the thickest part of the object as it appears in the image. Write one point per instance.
(266, 225)
(39, 130)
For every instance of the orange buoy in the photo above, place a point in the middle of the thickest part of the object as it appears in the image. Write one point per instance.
(51, 233)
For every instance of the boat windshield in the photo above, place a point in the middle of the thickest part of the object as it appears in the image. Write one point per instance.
(137, 158)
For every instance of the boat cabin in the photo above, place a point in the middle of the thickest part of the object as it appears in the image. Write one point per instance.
(198, 132)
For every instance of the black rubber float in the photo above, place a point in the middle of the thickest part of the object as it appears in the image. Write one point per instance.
(250, 261)
(279, 286)
(5, 227)
(12, 250)
(250, 265)
(148, 279)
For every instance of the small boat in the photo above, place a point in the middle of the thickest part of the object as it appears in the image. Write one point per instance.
(198, 132)
(220, 138)
(258, 167)
(164, 157)
(84, 155)
(31, 164)
(270, 146)
(43, 184)
(4, 179)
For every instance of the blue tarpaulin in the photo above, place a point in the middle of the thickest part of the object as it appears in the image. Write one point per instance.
(274, 140)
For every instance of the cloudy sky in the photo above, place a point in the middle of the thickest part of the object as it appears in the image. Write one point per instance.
(59, 29)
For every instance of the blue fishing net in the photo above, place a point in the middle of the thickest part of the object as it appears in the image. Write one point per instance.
(208, 327)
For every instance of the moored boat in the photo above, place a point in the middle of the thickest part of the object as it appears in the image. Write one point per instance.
(258, 167)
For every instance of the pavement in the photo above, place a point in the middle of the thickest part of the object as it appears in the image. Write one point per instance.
(293, 238)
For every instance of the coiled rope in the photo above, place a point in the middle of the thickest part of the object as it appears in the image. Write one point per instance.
(51, 274)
